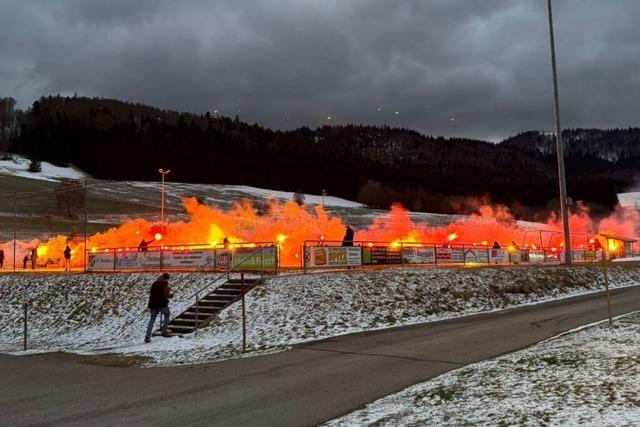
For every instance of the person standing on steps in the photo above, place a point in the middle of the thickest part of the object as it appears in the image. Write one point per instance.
(67, 258)
(159, 297)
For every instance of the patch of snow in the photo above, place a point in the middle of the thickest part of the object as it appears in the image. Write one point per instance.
(287, 195)
(588, 376)
(19, 167)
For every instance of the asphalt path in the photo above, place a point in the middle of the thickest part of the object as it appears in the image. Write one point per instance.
(310, 384)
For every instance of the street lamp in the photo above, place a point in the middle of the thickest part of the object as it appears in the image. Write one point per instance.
(559, 147)
(163, 173)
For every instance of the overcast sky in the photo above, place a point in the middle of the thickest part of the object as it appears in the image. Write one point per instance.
(475, 68)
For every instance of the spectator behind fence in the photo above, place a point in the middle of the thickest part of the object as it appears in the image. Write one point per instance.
(34, 257)
(348, 237)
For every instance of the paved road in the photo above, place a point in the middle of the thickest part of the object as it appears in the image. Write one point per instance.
(310, 384)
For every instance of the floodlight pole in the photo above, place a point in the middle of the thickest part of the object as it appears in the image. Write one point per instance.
(163, 173)
(559, 147)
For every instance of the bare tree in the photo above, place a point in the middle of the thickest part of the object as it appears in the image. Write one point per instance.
(298, 197)
(70, 195)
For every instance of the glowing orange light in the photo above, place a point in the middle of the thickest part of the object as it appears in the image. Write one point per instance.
(592, 240)
(534, 247)
(106, 250)
(158, 236)
(370, 244)
(554, 249)
(137, 232)
(484, 243)
(281, 238)
(94, 250)
(452, 237)
(612, 246)
(322, 237)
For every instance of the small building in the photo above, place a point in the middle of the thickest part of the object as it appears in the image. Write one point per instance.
(620, 246)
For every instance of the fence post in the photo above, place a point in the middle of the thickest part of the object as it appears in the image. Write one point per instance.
(114, 260)
(25, 303)
(15, 218)
(195, 332)
(261, 262)
(402, 253)
(464, 256)
(435, 254)
(304, 258)
(606, 284)
(244, 315)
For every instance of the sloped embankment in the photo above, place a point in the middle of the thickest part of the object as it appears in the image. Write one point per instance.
(106, 312)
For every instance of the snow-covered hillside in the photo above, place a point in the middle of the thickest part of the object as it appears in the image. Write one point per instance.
(106, 312)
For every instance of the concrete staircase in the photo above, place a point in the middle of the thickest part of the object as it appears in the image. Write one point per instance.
(210, 305)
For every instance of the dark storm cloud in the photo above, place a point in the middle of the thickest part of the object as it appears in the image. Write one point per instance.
(469, 68)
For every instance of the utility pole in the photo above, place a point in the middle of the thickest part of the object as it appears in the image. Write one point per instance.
(559, 147)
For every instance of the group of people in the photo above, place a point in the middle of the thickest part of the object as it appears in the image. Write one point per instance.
(32, 257)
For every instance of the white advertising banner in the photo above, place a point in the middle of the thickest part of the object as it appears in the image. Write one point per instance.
(498, 255)
(418, 255)
(189, 259)
(336, 256)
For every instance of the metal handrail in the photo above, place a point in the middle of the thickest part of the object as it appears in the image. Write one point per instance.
(231, 268)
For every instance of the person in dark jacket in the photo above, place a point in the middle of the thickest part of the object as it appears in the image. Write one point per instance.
(496, 245)
(1, 258)
(25, 260)
(67, 258)
(348, 237)
(159, 297)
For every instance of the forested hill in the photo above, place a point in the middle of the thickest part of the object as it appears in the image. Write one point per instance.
(376, 165)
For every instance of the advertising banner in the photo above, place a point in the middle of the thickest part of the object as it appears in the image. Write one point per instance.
(188, 259)
(254, 258)
(498, 255)
(414, 255)
(479, 255)
(449, 255)
(383, 255)
(336, 256)
(101, 261)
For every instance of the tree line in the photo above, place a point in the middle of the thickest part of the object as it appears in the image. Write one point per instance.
(376, 165)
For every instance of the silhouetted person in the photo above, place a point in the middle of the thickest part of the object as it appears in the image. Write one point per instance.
(34, 258)
(144, 246)
(496, 245)
(67, 258)
(348, 237)
(25, 260)
(1, 258)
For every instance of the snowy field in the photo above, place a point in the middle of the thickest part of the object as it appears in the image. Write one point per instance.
(105, 313)
(586, 377)
(19, 166)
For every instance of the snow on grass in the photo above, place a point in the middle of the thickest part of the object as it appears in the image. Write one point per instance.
(587, 377)
(106, 313)
(19, 166)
